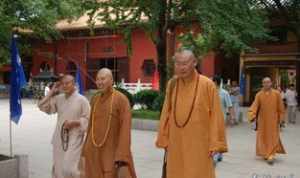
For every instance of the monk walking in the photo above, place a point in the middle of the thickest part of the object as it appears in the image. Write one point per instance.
(106, 153)
(192, 125)
(73, 112)
(268, 111)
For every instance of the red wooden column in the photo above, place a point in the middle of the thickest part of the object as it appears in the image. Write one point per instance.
(208, 65)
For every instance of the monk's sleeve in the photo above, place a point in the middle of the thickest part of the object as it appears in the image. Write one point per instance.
(84, 115)
(281, 110)
(48, 106)
(124, 142)
(253, 109)
(163, 130)
(217, 137)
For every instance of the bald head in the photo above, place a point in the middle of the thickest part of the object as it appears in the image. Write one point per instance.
(185, 63)
(267, 83)
(186, 54)
(68, 77)
(105, 72)
(267, 79)
(104, 79)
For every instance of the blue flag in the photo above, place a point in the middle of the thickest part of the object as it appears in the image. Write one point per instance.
(242, 84)
(78, 81)
(17, 81)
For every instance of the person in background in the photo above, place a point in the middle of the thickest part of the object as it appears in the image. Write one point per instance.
(291, 102)
(47, 89)
(235, 99)
(267, 111)
(227, 109)
(282, 94)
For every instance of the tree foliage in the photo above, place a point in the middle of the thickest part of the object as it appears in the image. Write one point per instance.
(234, 26)
(226, 24)
(35, 17)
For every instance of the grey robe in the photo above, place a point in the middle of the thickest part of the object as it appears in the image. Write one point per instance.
(76, 107)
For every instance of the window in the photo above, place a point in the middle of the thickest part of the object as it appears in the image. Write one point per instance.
(148, 67)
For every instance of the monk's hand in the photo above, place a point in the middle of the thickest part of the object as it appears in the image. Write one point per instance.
(122, 169)
(252, 120)
(211, 153)
(281, 123)
(69, 125)
(54, 90)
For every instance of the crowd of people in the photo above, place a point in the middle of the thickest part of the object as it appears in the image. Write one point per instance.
(92, 139)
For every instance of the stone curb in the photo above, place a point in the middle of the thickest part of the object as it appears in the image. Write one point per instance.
(152, 125)
(17, 167)
(145, 124)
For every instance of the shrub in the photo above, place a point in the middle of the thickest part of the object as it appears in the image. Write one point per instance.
(158, 102)
(145, 114)
(126, 93)
(146, 97)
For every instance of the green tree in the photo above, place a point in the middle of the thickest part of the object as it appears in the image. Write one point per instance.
(225, 24)
(37, 17)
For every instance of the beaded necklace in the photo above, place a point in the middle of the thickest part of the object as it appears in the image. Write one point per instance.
(192, 108)
(99, 145)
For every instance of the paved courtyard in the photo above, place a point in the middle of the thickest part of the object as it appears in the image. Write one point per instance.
(33, 134)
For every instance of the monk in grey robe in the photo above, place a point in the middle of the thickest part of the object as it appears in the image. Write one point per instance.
(72, 111)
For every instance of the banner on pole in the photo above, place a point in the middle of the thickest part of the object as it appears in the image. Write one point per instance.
(78, 81)
(17, 82)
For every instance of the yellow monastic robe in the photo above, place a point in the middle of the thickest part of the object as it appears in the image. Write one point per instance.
(100, 162)
(188, 147)
(270, 110)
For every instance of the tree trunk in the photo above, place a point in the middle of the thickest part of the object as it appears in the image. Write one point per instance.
(55, 56)
(161, 46)
(162, 63)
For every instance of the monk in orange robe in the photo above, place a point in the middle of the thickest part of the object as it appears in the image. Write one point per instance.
(106, 152)
(268, 111)
(192, 125)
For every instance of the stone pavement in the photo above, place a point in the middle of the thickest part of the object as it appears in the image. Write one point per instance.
(33, 135)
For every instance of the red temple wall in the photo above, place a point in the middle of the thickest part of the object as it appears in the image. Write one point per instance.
(76, 50)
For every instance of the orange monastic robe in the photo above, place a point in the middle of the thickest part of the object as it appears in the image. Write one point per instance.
(270, 110)
(188, 147)
(99, 162)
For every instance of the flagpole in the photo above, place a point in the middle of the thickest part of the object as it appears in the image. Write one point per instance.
(10, 139)
(17, 81)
